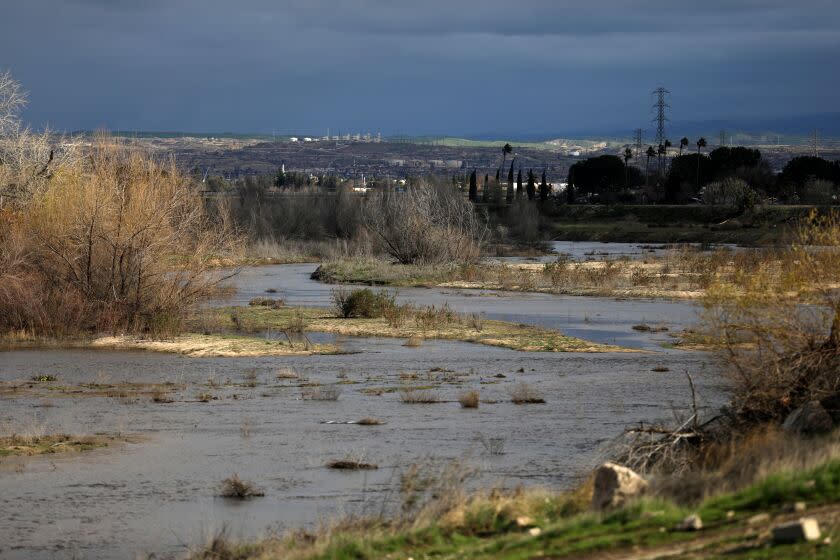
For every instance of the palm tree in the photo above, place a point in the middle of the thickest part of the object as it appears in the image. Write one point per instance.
(628, 155)
(506, 149)
(650, 153)
(683, 144)
(701, 143)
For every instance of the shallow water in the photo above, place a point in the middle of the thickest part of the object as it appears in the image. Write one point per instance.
(158, 495)
(597, 250)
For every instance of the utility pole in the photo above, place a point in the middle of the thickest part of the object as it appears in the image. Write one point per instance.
(815, 142)
(638, 142)
(661, 105)
(722, 141)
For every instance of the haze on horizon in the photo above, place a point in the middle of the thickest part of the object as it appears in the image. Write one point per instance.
(437, 67)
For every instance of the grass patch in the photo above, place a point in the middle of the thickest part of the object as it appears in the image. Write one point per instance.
(445, 325)
(30, 445)
(500, 525)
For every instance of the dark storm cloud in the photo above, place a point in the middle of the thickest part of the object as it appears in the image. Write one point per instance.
(454, 66)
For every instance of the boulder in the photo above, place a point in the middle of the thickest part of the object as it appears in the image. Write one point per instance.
(810, 418)
(614, 485)
(804, 529)
(691, 523)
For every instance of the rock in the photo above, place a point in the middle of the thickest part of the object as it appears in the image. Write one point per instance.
(730, 514)
(810, 418)
(691, 523)
(534, 531)
(803, 529)
(758, 518)
(524, 521)
(614, 485)
(796, 507)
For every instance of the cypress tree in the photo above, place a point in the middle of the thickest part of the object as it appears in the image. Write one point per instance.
(485, 190)
(510, 184)
(544, 190)
(532, 185)
(519, 184)
(473, 187)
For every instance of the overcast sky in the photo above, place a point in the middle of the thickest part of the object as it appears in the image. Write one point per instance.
(417, 67)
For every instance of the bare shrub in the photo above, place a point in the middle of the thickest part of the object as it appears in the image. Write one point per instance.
(469, 399)
(414, 342)
(267, 302)
(492, 445)
(362, 303)
(778, 325)
(236, 488)
(476, 321)
(433, 318)
(117, 242)
(523, 393)
(413, 395)
(425, 224)
(321, 393)
(351, 462)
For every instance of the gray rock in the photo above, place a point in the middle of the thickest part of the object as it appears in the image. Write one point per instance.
(810, 418)
(614, 485)
(691, 523)
(804, 529)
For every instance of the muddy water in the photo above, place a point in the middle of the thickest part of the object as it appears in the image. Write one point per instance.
(158, 495)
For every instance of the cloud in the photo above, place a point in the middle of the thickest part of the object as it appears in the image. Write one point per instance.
(437, 65)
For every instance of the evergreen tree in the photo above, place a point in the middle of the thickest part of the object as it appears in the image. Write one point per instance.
(510, 184)
(570, 188)
(544, 188)
(473, 187)
(532, 185)
(519, 191)
(485, 190)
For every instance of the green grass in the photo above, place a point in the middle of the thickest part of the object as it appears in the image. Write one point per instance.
(487, 529)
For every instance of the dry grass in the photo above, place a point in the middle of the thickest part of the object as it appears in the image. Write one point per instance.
(370, 421)
(236, 488)
(452, 326)
(286, 373)
(38, 443)
(351, 463)
(419, 396)
(523, 393)
(414, 342)
(321, 393)
(469, 399)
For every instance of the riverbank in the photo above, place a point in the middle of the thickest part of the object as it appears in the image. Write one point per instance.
(192, 344)
(539, 524)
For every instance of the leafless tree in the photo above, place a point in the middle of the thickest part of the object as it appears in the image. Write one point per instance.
(425, 224)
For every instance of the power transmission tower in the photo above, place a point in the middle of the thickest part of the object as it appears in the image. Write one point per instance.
(660, 119)
(815, 142)
(722, 141)
(638, 141)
